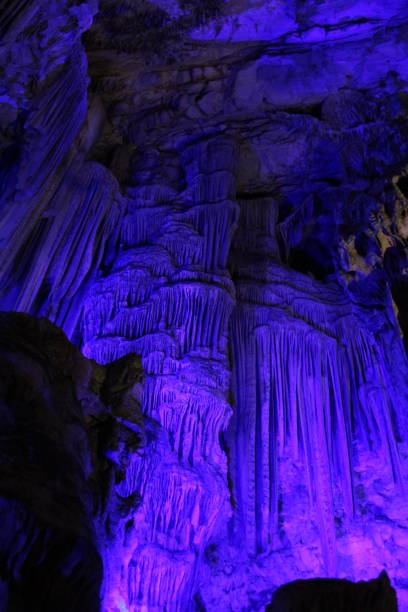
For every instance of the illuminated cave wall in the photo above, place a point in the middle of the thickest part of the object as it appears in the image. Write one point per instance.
(222, 189)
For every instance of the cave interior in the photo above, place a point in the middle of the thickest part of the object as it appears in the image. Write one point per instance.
(204, 305)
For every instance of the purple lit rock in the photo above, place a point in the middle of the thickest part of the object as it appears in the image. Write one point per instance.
(170, 300)
(221, 188)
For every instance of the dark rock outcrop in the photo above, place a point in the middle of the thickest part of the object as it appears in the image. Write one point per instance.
(57, 473)
(321, 595)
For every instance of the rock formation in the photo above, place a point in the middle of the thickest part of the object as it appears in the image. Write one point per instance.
(69, 427)
(332, 595)
(220, 188)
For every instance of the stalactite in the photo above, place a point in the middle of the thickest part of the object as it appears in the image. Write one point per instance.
(141, 224)
(50, 130)
(215, 187)
(169, 297)
(216, 223)
(193, 415)
(156, 195)
(313, 388)
(198, 313)
(160, 579)
(257, 227)
(311, 376)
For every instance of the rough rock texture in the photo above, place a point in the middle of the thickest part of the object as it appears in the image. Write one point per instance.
(68, 428)
(47, 192)
(221, 187)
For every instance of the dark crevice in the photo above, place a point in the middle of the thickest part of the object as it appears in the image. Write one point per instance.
(402, 184)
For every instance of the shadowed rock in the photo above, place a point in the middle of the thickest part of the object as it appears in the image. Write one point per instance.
(56, 472)
(325, 595)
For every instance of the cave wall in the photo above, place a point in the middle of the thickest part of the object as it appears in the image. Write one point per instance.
(221, 189)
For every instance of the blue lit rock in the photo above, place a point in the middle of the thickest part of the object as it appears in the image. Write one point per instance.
(221, 188)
